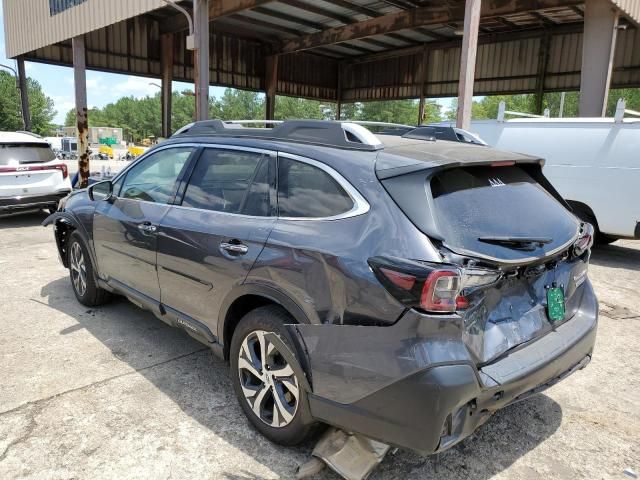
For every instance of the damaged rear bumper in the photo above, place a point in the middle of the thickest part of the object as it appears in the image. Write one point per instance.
(413, 385)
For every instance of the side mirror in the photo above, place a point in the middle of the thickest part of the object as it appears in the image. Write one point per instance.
(100, 191)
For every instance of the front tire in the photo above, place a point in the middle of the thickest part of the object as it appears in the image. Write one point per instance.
(82, 275)
(268, 387)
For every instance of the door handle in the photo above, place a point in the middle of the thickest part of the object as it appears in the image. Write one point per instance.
(237, 248)
(147, 227)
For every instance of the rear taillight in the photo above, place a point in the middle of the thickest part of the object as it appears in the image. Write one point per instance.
(584, 241)
(431, 287)
(63, 168)
(441, 292)
(36, 168)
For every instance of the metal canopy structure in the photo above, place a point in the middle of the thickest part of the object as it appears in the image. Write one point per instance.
(369, 50)
(345, 50)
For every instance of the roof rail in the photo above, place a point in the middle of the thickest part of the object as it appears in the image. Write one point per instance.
(24, 132)
(621, 110)
(345, 135)
(502, 111)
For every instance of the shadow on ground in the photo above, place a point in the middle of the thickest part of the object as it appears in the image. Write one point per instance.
(616, 256)
(199, 384)
(23, 220)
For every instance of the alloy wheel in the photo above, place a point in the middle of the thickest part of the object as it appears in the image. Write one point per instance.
(268, 382)
(78, 269)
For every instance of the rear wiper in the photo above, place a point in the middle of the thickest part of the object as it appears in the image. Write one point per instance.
(518, 243)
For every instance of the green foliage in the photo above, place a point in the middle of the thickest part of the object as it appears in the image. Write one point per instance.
(41, 106)
(140, 118)
(240, 105)
(392, 111)
(298, 108)
(487, 107)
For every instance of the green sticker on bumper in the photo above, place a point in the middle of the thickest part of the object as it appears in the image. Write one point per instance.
(555, 304)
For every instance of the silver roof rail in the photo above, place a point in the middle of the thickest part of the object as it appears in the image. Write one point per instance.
(367, 123)
(502, 111)
(621, 110)
(347, 135)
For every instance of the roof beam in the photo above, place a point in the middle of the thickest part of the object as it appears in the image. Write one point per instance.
(307, 7)
(497, 37)
(369, 12)
(217, 9)
(417, 17)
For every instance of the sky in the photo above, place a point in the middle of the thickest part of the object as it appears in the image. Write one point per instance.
(102, 88)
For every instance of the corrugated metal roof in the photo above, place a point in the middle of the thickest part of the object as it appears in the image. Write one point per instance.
(34, 17)
(125, 35)
(630, 7)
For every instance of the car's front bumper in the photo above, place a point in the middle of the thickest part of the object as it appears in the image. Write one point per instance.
(31, 202)
(433, 407)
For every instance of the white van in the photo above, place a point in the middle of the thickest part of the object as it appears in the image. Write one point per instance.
(593, 162)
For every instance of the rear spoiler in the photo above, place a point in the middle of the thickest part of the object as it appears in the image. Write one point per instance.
(435, 167)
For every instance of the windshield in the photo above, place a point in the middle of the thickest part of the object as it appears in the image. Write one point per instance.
(21, 153)
(478, 208)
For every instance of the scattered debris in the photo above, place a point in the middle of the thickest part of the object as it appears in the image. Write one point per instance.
(630, 473)
(312, 467)
(350, 455)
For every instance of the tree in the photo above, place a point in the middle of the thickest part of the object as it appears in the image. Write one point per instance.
(41, 106)
(241, 105)
(296, 108)
(392, 111)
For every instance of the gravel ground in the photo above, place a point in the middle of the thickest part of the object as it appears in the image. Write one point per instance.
(114, 393)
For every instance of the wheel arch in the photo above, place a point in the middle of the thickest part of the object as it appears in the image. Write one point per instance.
(581, 207)
(64, 226)
(246, 298)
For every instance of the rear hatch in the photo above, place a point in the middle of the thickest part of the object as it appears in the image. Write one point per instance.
(29, 169)
(498, 215)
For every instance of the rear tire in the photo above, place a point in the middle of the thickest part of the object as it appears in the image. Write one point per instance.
(268, 387)
(82, 275)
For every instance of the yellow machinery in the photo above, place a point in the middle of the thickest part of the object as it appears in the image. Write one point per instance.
(107, 150)
(136, 151)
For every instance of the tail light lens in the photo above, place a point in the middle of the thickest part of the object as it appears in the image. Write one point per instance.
(63, 168)
(431, 287)
(585, 241)
(441, 292)
(26, 169)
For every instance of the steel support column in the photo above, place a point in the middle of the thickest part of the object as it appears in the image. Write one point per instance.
(468, 62)
(598, 50)
(341, 68)
(24, 94)
(423, 80)
(270, 84)
(201, 57)
(82, 122)
(166, 59)
(543, 64)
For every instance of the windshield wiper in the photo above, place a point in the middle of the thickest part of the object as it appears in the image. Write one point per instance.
(519, 243)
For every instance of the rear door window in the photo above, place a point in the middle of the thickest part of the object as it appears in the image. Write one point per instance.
(230, 181)
(493, 202)
(23, 153)
(306, 191)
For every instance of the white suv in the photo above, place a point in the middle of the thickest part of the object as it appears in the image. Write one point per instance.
(31, 177)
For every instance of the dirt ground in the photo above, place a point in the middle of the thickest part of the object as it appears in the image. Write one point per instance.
(114, 393)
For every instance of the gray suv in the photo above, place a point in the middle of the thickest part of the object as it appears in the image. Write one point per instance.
(392, 285)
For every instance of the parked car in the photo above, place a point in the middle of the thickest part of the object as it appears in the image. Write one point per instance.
(401, 288)
(31, 177)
